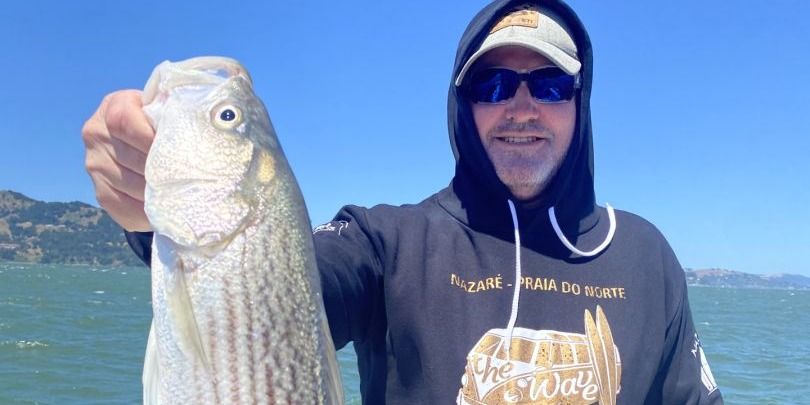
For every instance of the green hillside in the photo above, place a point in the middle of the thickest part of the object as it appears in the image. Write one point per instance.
(55, 232)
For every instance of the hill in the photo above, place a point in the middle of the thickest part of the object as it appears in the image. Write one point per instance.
(56, 232)
(730, 278)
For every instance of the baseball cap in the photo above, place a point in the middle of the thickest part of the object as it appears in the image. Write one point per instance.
(537, 29)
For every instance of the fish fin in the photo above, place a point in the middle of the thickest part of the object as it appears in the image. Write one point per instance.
(181, 313)
(150, 378)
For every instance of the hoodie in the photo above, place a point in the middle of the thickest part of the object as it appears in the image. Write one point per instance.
(474, 297)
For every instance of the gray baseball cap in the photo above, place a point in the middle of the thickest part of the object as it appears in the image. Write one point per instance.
(537, 29)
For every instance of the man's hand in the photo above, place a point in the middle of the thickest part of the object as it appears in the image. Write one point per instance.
(117, 139)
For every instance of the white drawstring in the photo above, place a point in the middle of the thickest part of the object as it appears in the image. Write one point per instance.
(518, 273)
(516, 295)
(572, 248)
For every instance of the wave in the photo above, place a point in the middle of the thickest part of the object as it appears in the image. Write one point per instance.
(24, 344)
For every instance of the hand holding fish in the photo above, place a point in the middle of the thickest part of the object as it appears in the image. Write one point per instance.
(117, 139)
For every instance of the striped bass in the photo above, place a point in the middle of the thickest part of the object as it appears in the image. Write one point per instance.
(238, 315)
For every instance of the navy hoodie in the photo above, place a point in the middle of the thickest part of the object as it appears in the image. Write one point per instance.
(430, 296)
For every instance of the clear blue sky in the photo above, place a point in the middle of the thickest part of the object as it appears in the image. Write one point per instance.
(700, 108)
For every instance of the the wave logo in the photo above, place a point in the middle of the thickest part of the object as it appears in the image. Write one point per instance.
(333, 226)
(706, 376)
(543, 367)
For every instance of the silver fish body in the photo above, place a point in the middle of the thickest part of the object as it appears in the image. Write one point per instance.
(238, 312)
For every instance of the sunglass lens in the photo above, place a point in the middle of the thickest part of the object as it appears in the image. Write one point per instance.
(493, 85)
(552, 89)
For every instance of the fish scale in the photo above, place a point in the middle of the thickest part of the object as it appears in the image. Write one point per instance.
(238, 313)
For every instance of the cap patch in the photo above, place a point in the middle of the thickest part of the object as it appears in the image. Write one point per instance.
(522, 18)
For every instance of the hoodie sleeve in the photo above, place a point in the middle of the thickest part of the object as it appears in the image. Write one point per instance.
(684, 376)
(351, 276)
(141, 244)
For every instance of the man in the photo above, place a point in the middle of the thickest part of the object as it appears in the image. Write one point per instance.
(510, 285)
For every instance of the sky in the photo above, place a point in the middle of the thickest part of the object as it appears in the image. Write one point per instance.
(700, 109)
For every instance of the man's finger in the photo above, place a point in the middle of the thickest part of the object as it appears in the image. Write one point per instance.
(124, 210)
(126, 121)
(127, 156)
(94, 131)
(123, 180)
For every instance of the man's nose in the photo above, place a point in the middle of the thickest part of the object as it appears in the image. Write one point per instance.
(522, 106)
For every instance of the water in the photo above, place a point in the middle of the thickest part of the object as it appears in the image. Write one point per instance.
(76, 335)
(756, 342)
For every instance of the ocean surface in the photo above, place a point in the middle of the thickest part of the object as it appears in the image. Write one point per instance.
(76, 335)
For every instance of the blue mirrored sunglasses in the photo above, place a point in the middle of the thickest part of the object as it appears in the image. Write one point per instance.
(497, 85)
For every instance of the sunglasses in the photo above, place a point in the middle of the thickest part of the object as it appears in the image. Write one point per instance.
(497, 85)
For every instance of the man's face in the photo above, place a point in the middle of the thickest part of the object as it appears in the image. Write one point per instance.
(525, 140)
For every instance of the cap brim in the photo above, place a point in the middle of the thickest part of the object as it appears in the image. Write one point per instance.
(564, 61)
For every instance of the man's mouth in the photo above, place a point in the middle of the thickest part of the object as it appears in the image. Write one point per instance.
(518, 139)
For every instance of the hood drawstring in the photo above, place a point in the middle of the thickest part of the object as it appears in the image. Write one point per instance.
(572, 248)
(516, 295)
(518, 272)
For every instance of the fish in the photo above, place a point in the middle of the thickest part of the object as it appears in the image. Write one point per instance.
(238, 314)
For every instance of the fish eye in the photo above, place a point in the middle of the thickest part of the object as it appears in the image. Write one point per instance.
(227, 116)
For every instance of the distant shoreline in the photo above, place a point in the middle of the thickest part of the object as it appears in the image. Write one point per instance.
(746, 287)
(736, 279)
(705, 278)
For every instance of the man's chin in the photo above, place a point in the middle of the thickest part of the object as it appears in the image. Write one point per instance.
(524, 187)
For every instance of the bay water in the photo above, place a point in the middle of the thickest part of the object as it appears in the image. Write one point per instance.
(76, 335)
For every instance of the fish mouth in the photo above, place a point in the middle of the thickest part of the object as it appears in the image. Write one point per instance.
(203, 70)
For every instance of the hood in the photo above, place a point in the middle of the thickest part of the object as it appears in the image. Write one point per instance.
(477, 196)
